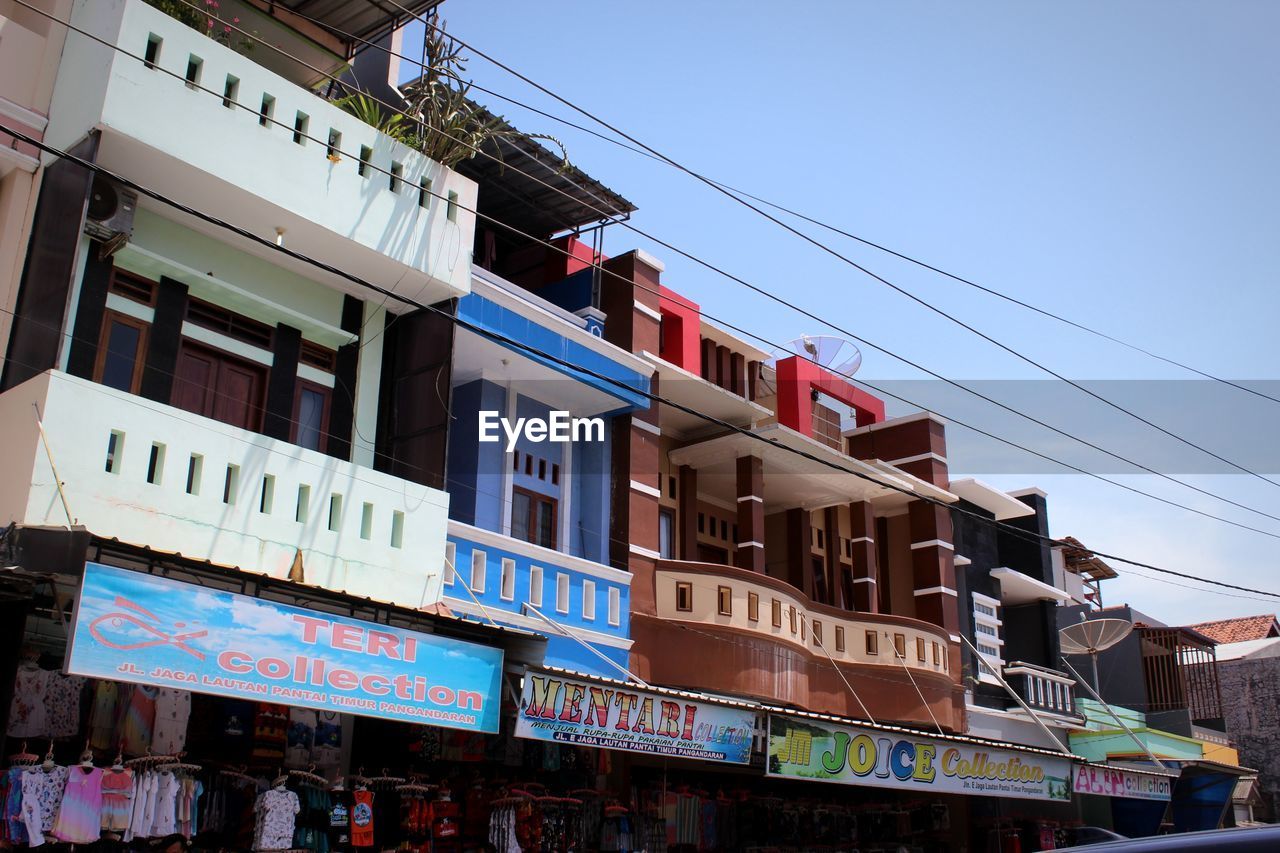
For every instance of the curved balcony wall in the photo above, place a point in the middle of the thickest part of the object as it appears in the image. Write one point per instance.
(726, 630)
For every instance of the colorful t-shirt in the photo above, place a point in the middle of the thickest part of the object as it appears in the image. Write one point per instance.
(327, 751)
(15, 831)
(139, 719)
(41, 793)
(80, 814)
(117, 794)
(300, 737)
(277, 809)
(361, 819)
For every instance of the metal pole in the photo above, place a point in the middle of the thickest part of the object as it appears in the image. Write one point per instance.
(1113, 714)
(57, 481)
(1000, 678)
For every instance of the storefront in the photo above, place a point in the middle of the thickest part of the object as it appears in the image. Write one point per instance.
(150, 697)
(1131, 801)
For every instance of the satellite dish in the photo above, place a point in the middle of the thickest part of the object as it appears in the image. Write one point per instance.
(1093, 635)
(1090, 636)
(836, 354)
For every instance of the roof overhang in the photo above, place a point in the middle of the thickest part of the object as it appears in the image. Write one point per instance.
(528, 187)
(690, 390)
(1000, 504)
(1017, 588)
(791, 480)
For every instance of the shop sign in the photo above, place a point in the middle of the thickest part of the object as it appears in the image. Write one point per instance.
(569, 710)
(1113, 782)
(144, 629)
(827, 752)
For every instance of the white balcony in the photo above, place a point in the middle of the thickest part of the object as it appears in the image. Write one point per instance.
(221, 157)
(158, 477)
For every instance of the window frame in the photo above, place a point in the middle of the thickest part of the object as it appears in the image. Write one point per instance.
(110, 316)
(327, 409)
(531, 525)
(684, 597)
(724, 600)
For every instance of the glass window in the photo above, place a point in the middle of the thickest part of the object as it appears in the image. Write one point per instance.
(533, 518)
(724, 600)
(311, 412)
(122, 352)
(753, 607)
(684, 596)
(667, 534)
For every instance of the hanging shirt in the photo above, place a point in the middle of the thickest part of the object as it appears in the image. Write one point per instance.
(300, 738)
(117, 798)
(327, 751)
(361, 819)
(104, 715)
(277, 810)
(172, 711)
(15, 830)
(165, 820)
(80, 814)
(139, 720)
(28, 716)
(41, 793)
(62, 704)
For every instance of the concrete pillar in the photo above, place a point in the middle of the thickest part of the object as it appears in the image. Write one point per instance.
(866, 574)
(933, 565)
(687, 512)
(750, 544)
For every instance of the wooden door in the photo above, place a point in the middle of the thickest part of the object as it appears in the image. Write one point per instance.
(220, 386)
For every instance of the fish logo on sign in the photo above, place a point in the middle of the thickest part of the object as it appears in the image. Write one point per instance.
(118, 621)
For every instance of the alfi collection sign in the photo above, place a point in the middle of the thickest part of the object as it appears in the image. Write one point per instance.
(826, 752)
(1114, 782)
(144, 629)
(568, 710)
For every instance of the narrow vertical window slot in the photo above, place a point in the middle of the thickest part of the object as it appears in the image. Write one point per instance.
(231, 92)
(195, 466)
(155, 464)
(335, 512)
(366, 521)
(231, 485)
(304, 504)
(397, 529)
(268, 494)
(115, 451)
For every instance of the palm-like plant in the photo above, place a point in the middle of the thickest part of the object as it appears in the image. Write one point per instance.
(441, 120)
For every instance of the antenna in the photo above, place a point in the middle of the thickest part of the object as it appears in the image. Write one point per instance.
(1090, 636)
(838, 355)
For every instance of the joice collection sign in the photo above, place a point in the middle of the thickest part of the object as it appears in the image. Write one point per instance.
(568, 710)
(826, 752)
(140, 628)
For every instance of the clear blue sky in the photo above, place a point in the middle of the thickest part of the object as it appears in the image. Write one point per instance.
(1112, 162)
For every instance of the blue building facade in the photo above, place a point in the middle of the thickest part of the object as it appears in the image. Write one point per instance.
(529, 517)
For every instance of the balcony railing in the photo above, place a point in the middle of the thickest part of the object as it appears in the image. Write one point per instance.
(157, 477)
(1043, 689)
(497, 575)
(211, 127)
(728, 597)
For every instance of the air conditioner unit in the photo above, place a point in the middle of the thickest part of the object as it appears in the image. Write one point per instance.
(110, 215)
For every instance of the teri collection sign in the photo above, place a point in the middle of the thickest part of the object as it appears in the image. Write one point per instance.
(140, 628)
(826, 752)
(1114, 782)
(569, 710)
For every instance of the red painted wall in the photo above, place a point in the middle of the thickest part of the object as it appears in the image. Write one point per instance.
(798, 378)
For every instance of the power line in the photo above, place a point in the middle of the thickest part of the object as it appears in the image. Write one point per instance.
(846, 332)
(849, 261)
(534, 351)
(613, 275)
(883, 248)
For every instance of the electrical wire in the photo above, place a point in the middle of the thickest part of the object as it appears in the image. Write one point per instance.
(849, 261)
(883, 248)
(521, 346)
(920, 367)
